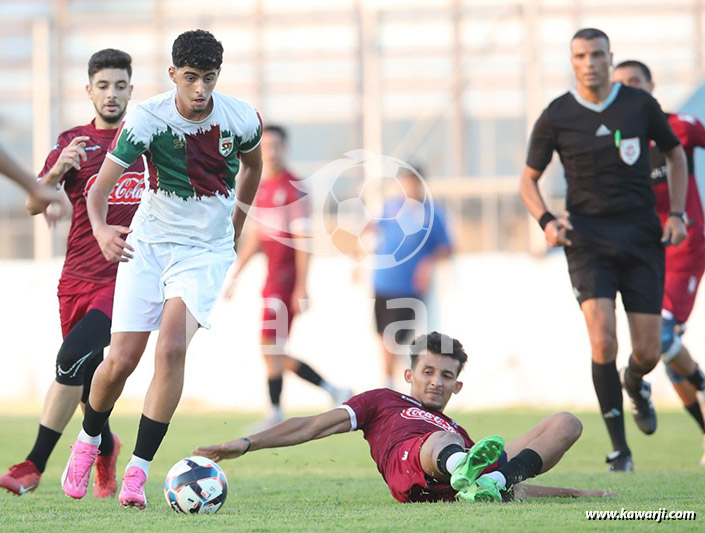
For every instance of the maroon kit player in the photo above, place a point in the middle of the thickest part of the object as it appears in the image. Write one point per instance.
(281, 222)
(684, 263)
(87, 280)
(421, 453)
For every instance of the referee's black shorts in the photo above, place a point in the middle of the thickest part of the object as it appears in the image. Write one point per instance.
(618, 253)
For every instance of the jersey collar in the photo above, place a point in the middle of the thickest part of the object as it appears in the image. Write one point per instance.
(598, 108)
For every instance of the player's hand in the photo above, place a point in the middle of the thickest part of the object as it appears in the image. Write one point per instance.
(674, 231)
(73, 156)
(227, 450)
(114, 247)
(555, 232)
(229, 287)
(299, 300)
(55, 211)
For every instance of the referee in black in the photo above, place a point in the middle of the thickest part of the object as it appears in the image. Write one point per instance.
(612, 236)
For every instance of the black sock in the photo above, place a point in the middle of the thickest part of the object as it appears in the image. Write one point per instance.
(107, 443)
(309, 374)
(608, 388)
(525, 465)
(43, 446)
(698, 379)
(634, 374)
(149, 437)
(275, 390)
(697, 414)
(94, 421)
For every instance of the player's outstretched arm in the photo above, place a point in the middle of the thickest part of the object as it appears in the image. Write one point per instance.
(288, 433)
(247, 183)
(110, 238)
(522, 491)
(674, 231)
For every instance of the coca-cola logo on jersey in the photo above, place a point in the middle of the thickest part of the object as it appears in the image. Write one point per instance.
(414, 413)
(128, 189)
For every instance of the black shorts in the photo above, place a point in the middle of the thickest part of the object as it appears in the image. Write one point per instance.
(384, 317)
(621, 253)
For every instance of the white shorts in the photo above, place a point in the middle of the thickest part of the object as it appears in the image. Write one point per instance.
(161, 271)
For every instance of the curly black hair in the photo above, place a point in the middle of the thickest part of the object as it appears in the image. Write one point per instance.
(109, 58)
(439, 344)
(197, 49)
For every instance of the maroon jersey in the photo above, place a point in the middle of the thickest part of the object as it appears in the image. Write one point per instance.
(84, 260)
(388, 418)
(690, 254)
(281, 211)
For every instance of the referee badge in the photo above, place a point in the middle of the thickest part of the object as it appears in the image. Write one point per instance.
(630, 150)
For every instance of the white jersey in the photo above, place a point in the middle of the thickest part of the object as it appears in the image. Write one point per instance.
(190, 195)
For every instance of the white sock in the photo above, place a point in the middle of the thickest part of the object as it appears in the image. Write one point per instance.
(498, 477)
(88, 439)
(276, 412)
(330, 389)
(454, 460)
(139, 462)
(390, 383)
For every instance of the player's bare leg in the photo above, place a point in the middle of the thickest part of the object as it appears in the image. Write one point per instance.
(550, 438)
(59, 405)
(601, 324)
(645, 330)
(177, 330)
(126, 350)
(108, 382)
(431, 450)
(389, 361)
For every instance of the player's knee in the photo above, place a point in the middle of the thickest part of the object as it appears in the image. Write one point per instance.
(605, 347)
(71, 365)
(673, 376)
(171, 353)
(119, 368)
(671, 342)
(570, 425)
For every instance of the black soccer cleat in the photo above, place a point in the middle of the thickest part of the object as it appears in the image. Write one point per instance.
(642, 407)
(620, 461)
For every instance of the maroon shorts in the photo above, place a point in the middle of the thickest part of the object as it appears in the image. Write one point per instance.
(407, 480)
(77, 297)
(277, 313)
(680, 289)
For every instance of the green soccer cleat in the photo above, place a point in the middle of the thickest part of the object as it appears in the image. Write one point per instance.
(485, 489)
(485, 452)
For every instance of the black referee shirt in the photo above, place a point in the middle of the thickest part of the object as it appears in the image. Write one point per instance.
(604, 149)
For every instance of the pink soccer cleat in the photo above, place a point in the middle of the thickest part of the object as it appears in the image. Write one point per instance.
(132, 491)
(77, 473)
(105, 480)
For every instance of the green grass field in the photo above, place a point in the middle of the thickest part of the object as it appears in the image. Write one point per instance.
(333, 484)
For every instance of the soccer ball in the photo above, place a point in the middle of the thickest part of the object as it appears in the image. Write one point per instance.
(196, 485)
(351, 215)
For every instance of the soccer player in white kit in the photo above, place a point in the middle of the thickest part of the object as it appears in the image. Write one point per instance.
(176, 253)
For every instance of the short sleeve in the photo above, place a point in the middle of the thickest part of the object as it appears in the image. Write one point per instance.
(361, 409)
(541, 144)
(659, 130)
(689, 130)
(252, 134)
(133, 137)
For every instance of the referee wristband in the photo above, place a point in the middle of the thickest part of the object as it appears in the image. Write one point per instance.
(249, 444)
(545, 219)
